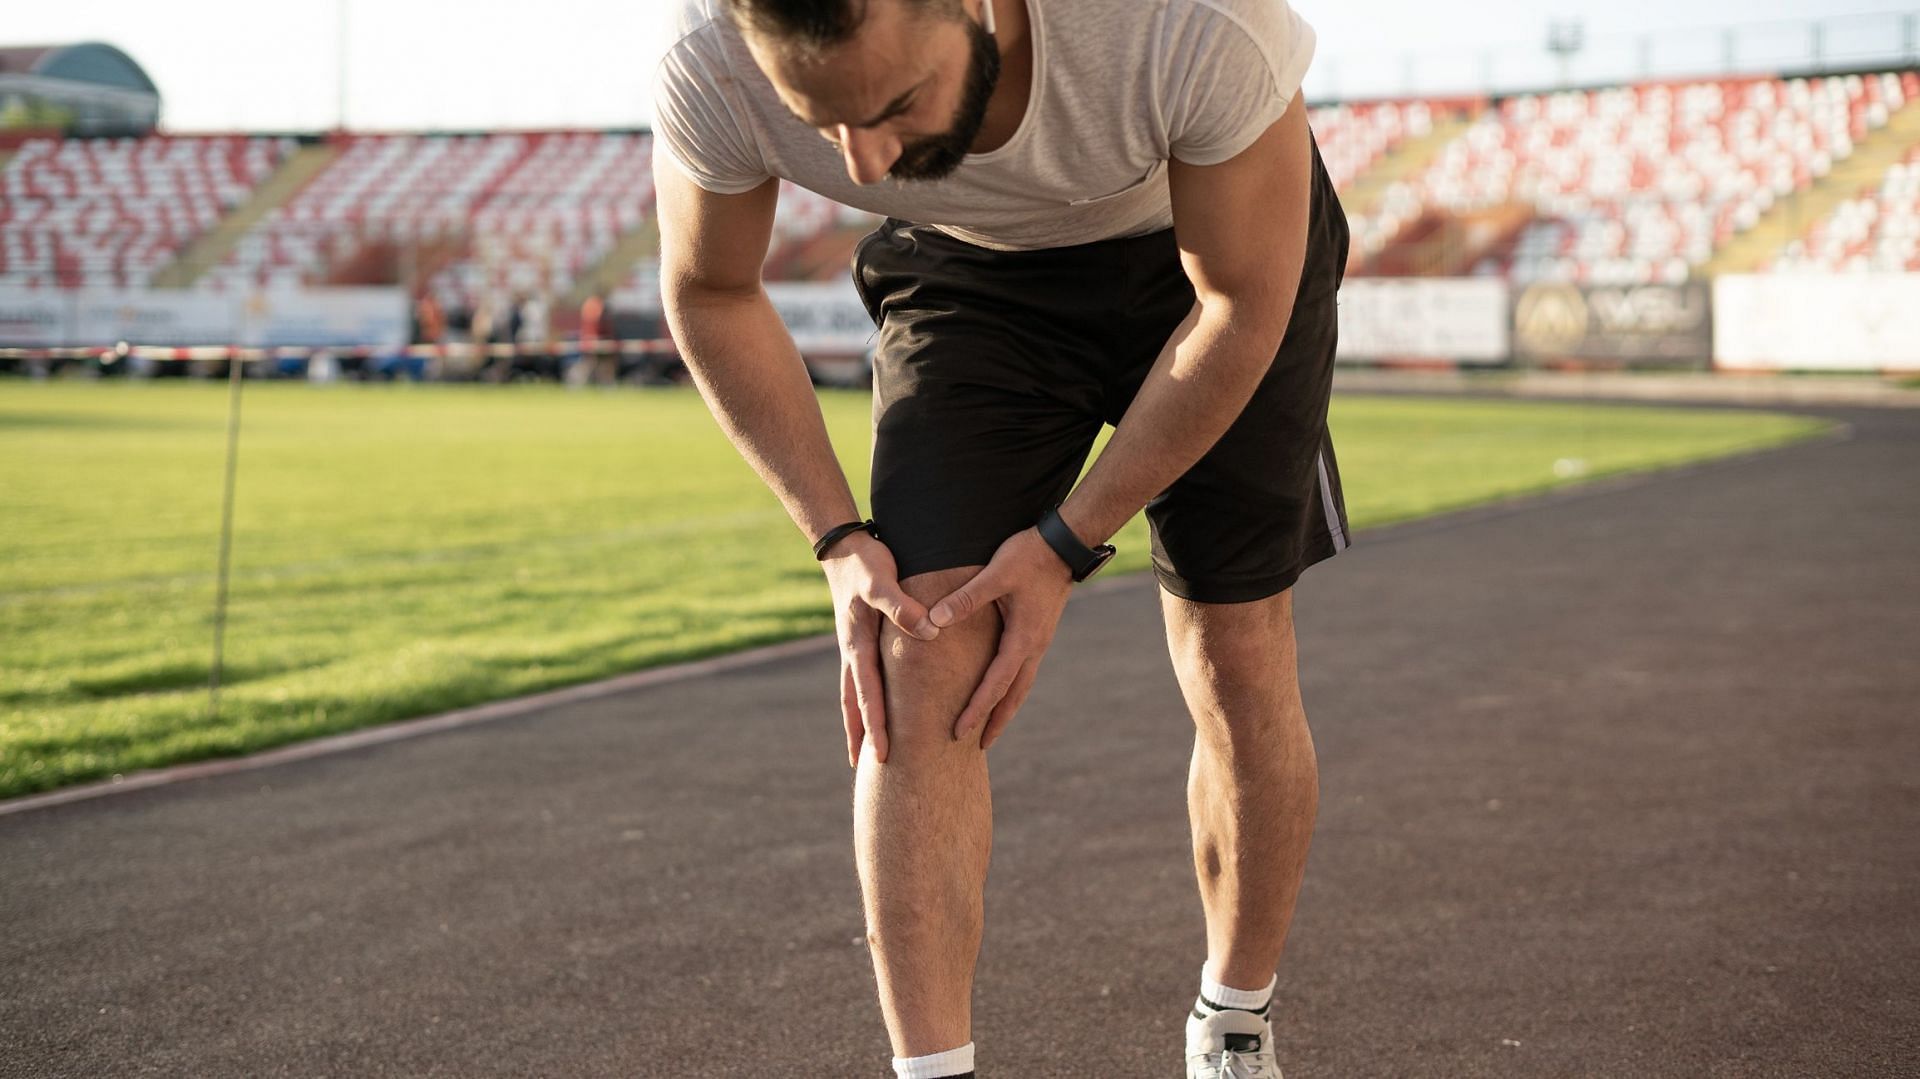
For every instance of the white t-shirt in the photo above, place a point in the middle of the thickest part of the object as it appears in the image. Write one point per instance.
(1119, 88)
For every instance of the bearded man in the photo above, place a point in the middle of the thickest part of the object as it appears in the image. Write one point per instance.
(1096, 212)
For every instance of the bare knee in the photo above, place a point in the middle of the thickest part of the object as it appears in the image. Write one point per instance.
(929, 682)
(1236, 664)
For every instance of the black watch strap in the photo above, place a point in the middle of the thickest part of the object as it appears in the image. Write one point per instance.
(839, 532)
(1082, 561)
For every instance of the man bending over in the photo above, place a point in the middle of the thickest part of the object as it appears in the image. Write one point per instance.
(1097, 212)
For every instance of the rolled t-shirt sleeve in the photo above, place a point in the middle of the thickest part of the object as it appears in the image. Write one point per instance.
(698, 128)
(1232, 69)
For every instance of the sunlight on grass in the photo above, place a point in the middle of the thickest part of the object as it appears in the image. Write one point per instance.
(405, 549)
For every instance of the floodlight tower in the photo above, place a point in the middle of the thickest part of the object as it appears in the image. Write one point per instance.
(1565, 40)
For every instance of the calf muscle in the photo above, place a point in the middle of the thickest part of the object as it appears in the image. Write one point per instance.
(923, 830)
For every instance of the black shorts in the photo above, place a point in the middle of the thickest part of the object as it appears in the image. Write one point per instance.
(995, 370)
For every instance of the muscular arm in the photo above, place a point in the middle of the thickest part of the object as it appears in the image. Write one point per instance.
(742, 358)
(1242, 229)
(747, 368)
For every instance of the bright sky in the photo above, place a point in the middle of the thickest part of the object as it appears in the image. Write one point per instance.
(249, 65)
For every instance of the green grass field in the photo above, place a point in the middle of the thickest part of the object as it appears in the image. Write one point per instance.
(404, 549)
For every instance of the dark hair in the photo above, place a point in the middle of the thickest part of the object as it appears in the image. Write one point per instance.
(813, 24)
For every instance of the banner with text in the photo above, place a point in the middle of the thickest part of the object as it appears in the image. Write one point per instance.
(375, 317)
(34, 318)
(1461, 320)
(824, 317)
(99, 318)
(1664, 326)
(145, 317)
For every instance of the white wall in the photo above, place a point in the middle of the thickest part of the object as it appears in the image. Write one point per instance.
(1827, 322)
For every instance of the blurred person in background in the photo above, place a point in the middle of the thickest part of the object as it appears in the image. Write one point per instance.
(533, 339)
(481, 329)
(429, 328)
(596, 339)
(1095, 213)
(429, 321)
(516, 318)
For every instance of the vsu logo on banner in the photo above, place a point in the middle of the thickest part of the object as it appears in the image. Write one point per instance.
(1650, 310)
(1640, 325)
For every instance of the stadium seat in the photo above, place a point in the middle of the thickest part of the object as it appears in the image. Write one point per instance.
(1636, 183)
(109, 213)
(1640, 183)
(1879, 231)
(1352, 138)
(480, 215)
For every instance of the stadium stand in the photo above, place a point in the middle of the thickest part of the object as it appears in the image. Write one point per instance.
(91, 213)
(1653, 182)
(1627, 184)
(1879, 231)
(1352, 138)
(503, 213)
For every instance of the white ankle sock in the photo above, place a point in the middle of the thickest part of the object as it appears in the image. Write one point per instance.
(935, 1065)
(1221, 996)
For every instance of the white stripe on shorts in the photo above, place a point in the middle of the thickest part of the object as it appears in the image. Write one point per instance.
(1339, 534)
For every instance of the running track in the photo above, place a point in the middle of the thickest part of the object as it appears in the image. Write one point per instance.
(1615, 783)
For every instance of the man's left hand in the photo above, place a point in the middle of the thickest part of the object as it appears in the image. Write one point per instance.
(1029, 584)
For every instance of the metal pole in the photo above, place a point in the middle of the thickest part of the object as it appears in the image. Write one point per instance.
(1729, 50)
(1909, 36)
(341, 59)
(235, 367)
(1817, 35)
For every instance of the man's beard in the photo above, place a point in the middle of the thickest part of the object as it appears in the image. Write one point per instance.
(935, 157)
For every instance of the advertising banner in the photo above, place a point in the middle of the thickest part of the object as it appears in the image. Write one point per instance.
(1460, 320)
(825, 317)
(98, 318)
(1665, 326)
(374, 317)
(145, 317)
(34, 319)
(1826, 322)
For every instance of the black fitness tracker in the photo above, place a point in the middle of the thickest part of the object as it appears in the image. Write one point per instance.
(839, 532)
(1082, 561)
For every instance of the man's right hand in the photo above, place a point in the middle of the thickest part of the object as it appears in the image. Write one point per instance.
(866, 586)
(713, 250)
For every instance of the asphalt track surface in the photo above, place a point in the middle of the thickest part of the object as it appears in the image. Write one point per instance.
(1615, 783)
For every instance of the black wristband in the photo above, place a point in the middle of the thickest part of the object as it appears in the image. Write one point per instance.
(1082, 561)
(839, 532)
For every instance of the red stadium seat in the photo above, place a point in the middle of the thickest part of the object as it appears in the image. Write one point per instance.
(1640, 183)
(485, 215)
(111, 212)
(1879, 231)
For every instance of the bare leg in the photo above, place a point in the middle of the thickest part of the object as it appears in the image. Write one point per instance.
(923, 828)
(1253, 787)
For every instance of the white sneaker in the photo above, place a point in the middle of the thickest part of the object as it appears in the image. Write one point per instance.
(1231, 1044)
